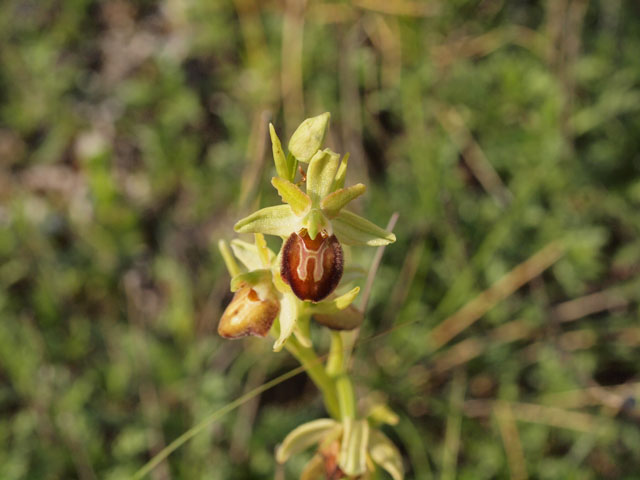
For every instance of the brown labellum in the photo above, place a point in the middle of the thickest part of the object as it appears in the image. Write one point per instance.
(312, 268)
(251, 312)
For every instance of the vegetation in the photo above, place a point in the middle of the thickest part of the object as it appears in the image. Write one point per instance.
(502, 327)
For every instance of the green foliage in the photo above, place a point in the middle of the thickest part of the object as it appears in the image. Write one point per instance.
(132, 135)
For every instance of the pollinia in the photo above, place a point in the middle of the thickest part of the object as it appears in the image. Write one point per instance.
(281, 293)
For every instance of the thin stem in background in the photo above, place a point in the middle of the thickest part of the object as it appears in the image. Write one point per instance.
(366, 292)
(203, 424)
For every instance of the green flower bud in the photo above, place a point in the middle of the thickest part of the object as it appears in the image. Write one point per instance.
(308, 137)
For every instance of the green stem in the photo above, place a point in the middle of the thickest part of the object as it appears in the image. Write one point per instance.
(337, 370)
(313, 365)
(346, 397)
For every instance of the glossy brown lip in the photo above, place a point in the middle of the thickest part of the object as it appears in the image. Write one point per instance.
(312, 267)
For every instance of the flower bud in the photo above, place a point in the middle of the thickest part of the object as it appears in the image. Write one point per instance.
(308, 137)
(346, 319)
(312, 267)
(251, 312)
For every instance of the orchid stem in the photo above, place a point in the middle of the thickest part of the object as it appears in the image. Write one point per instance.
(313, 365)
(337, 370)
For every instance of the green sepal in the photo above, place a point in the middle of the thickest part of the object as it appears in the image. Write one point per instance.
(292, 195)
(352, 229)
(250, 278)
(384, 453)
(334, 202)
(308, 137)
(341, 175)
(320, 174)
(353, 450)
(284, 165)
(304, 436)
(229, 259)
(247, 253)
(279, 220)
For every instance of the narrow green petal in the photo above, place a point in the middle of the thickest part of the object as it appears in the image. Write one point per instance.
(320, 174)
(304, 436)
(282, 166)
(338, 182)
(334, 202)
(247, 253)
(291, 194)
(264, 253)
(352, 229)
(385, 454)
(279, 220)
(288, 317)
(353, 450)
(309, 136)
(229, 260)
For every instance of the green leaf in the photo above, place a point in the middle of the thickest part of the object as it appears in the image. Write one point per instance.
(283, 166)
(352, 229)
(384, 453)
(291, 194)
(304, 436)
(320, 174)
(334, 202)
(279, 220)
(288, 317)
(338, 182)
(353, 450)
(308, 137)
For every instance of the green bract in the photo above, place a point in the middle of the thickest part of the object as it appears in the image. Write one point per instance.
(321, 207)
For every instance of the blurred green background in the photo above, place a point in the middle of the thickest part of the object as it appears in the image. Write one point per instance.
(505, 133)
